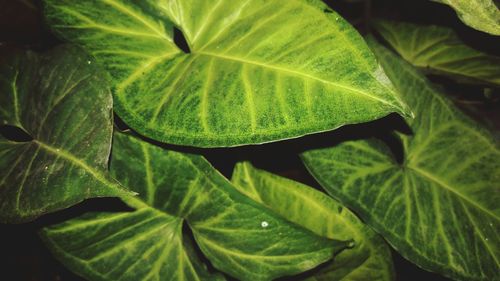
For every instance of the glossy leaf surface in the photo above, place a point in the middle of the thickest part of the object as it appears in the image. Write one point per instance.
(258, 70)
(63, 101)
(439, 208)
(439, 50)
(176, 187)
(479, 14)
(369, 259)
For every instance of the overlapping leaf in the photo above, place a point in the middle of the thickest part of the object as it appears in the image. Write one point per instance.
(479, 14)
(440, 207)
(237, 235)
(369, 259)
(438, 49)
(258, 70)
(62, 100)
(141, 245)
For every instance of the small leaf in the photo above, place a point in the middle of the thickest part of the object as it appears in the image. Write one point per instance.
(369, 259)
(64, 103)
(439, 50)
(439, 208)
(482, 15)
(258, 71)
(237, 235)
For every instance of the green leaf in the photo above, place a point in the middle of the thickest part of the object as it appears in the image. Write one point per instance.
(369, 259)
(258, 70)
(141, 245)
(439, 208)
(482, 15)
(62, 100)
(173, 188)
(439, 50)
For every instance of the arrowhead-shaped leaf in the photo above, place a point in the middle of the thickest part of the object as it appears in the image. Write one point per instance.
(141, 245)
(439, 50)
(258, 70)
(369, 259)
(62, 100)
(439, 208)
(237, 235)
(479, 14)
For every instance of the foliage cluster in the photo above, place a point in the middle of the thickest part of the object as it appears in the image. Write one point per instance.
(254, 72)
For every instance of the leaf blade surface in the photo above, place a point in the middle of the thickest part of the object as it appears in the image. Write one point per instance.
(439, 50)
(64, 103)
(173, 188)
(439, 207)
(482, 15)
(243, 82)
(370, 258)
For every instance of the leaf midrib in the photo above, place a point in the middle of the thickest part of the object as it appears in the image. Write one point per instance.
(249, 256)
(16, 101)
(429, 176)
(295, 73)
(73, 159)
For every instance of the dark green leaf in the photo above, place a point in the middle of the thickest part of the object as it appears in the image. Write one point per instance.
(479, 14)
(439, 208)
(369, 259)
(62, 100)
(237, 235)
(438, 49)
(258, 70)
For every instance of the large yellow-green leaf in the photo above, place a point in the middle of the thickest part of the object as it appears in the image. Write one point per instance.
(63, 101)
(237, 235)
(479, 14)
(369, 259)
(258, 71)
(439, 50)
(439, 208)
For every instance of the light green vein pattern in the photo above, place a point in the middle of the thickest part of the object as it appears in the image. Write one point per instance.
(440, 207)
(148, 244)
(482, 15)
(369, 259)
(439, 50)
(63, 101)
(141, 245)
(258, 70)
